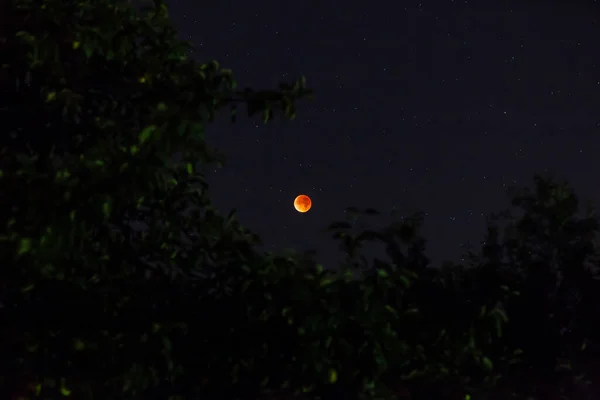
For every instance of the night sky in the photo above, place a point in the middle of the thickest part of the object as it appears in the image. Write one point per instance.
(436, 106)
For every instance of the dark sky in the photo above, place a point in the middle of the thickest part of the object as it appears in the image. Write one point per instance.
(435, 106)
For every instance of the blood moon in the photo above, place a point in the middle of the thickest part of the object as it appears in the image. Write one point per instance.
(302, 203)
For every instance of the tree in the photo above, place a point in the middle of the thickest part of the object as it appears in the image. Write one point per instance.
(103, 118)
(549, 248)
(522, 306)
(97, 100)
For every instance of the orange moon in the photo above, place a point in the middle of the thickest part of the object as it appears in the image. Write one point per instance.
(302, 203)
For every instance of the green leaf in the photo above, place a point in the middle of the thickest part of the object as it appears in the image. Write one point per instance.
(326, 282)
(382, 273)
(88, 49)
(499, 315)
(28, 288)
(487, 364)
(380, 360)
(107, 208)
(24, 246)
(183, 127)
(79, 344)
(405, 281)
(167, 343)
(333, 376)
(146, 133)
(267, 115)
(391, 310)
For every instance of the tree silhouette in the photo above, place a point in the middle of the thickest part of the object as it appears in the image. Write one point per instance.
(97, 100)
(103, 119)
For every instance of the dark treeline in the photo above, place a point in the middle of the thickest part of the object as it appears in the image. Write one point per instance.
(96, 99)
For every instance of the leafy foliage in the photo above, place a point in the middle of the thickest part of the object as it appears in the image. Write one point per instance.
(104, 121)
(104, 117)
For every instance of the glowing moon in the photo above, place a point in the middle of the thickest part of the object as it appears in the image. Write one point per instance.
(302, 203)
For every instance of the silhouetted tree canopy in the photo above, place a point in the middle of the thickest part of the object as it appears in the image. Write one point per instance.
(103, 118)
